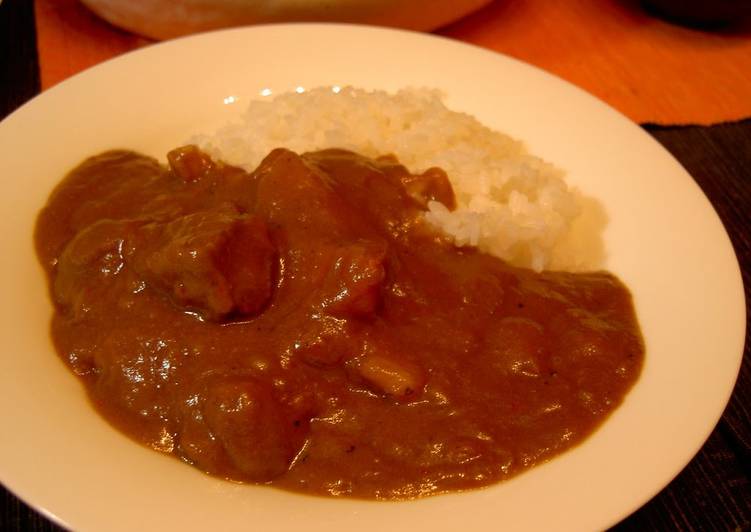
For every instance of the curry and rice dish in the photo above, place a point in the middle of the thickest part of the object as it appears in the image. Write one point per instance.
(303, 325)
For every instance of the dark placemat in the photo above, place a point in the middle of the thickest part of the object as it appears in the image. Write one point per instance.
(19, 67)
(714, 491)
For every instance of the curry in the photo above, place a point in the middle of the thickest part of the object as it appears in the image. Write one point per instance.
(303, 326)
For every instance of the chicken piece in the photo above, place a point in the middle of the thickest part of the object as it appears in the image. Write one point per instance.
(354, 283)
(217, 262)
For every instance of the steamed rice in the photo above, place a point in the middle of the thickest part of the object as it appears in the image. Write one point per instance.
(510, 203)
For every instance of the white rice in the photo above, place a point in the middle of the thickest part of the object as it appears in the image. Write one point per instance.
(510, 203)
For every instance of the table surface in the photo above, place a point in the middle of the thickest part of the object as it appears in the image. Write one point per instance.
(714, 491)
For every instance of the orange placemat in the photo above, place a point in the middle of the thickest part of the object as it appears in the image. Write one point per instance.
(70, 38)
(650, 70)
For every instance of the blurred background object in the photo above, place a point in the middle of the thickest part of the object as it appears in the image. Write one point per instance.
(651, 69)
(700, 12)
(164, 19)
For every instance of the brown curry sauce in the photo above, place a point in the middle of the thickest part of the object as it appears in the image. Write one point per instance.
(303, 326)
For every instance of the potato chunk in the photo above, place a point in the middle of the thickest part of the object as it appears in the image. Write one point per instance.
(391, 376)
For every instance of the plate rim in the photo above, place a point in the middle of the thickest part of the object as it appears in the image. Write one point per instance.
(62, 88)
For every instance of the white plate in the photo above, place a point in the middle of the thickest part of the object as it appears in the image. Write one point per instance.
(664, 240)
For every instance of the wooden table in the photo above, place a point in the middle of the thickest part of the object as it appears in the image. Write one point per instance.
(714, 491)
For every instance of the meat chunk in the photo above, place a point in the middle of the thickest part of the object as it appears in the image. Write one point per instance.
(89, 259)
(235, 427)
(217, 262)
(190, 163)
(293, 194)
(432, 185)
(325, 341)
(247, 261)
(354, 283)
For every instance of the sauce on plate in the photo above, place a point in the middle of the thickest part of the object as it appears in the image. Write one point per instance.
(303, 326)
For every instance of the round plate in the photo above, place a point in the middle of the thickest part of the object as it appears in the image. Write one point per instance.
(663, 239)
